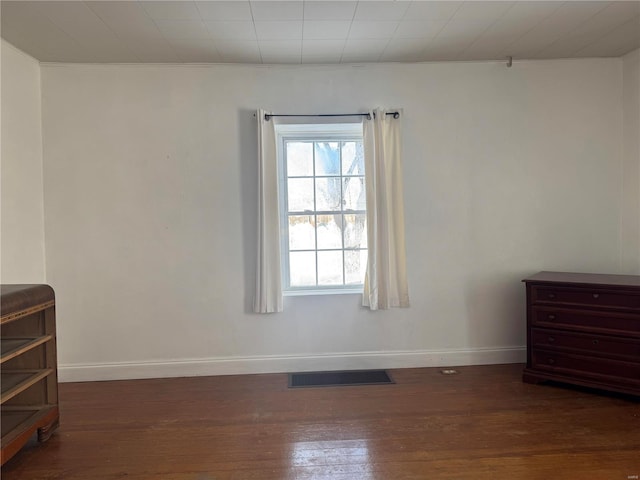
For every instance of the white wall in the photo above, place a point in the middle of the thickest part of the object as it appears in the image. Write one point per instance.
(150, 176)
(631, 163)
(21, 185)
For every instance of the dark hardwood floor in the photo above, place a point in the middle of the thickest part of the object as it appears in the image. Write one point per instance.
(483, 423)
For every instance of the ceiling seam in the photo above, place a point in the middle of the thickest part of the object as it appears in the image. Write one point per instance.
(211, 39)
(567, 34)
(634, 19)
(126, 44)
(533, 27)
(255, 31)
(169, 44)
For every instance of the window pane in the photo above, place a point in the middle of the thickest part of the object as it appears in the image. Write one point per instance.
(302, 235)
(352, 158)
(355, 266)
(300, 194)
(330, 268)
(327, 158)
(354, 193)
(302, 269)
(324, 231)
(328, 194)
(329, 231)
(299, 159)
(355, 231)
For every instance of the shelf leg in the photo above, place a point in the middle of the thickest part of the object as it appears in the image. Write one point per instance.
(45, 432)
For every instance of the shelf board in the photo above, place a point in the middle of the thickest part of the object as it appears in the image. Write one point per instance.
(12, 419)
(17, 420)
(10, 317)
(17, 381)
(11, 347)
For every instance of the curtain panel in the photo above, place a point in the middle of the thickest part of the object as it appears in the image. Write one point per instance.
(268, 292)
(385, 282)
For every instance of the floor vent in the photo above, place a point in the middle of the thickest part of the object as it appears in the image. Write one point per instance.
(340, 378)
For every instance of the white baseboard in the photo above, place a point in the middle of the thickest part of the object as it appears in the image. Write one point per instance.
(288, 363)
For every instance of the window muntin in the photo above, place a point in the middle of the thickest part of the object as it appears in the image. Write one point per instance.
(324, 239)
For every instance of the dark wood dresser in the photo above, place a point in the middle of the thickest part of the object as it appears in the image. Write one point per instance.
(29, 401)
(584, 329)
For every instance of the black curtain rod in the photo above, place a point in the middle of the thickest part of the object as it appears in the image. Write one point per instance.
(267, 116)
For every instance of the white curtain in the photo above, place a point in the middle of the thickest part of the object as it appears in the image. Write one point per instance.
(268, 294)
(385, 283)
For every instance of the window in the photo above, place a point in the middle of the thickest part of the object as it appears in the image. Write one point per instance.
(323, 207)
(312, 232)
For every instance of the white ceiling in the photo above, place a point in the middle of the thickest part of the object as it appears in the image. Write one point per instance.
(318, 31)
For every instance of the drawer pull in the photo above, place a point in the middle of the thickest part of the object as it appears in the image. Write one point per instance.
(596, 342)
(551, 295)
(551, 317)
(551, 339)
(551, 361)
(596, 295)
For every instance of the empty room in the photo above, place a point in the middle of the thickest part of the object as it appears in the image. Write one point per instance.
(281, 240)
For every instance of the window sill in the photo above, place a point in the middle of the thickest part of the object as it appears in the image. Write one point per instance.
(327, 291)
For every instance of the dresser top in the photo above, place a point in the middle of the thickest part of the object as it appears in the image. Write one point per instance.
(585, 279)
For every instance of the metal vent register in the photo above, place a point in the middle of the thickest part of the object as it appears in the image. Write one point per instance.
(339, 378)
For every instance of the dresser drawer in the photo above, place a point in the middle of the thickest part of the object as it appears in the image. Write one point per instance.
(598, 345)
(614, 323)
(584, 328)
(584, 297)
(584, 366)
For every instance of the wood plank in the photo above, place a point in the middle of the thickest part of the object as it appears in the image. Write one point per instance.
(14, 417)
(16, 382)
(13, 347)
(483, 423)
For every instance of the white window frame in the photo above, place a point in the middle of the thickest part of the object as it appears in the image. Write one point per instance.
(312, 133)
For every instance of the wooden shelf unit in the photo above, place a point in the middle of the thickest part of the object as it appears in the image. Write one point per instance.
(28, 366)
